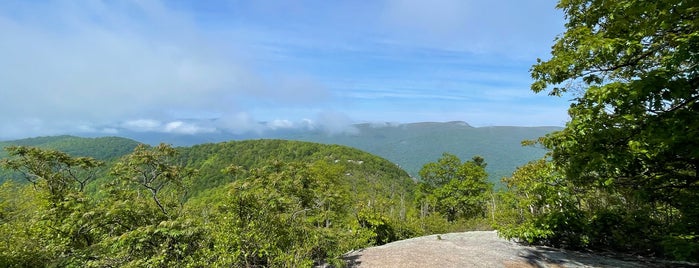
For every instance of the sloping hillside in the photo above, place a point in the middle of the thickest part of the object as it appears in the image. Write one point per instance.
(413, 145)
(102, 148)
(255, 203)
(364, 170)
(408, 145)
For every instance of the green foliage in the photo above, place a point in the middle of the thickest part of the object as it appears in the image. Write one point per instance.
(56, 172)
(531, 208)
(629, 157)
(52, 222)
(681, 247)
(102, 148)
(455, 189)
(294, 204)
(153, 170)
(366, 171)
(23, 242)
(169, 243)
(282, 214)
(60, 223)
(140, 219)
(440, 173)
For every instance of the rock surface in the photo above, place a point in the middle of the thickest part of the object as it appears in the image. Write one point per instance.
(480, 249)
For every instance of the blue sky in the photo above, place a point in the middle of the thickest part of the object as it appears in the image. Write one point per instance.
(192, 67)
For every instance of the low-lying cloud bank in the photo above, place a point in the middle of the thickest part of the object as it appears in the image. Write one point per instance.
(240, 124)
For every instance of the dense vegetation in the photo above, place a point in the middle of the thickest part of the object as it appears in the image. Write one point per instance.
(234, 204)
(624, 173)
(409, 145)
(102, 148)
(363, 170)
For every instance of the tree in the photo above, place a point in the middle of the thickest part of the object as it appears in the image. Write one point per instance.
(540, 206)
(634, 67)
(437, 174)
(454, 188)
(59, 221)
(153, 169)
(141, 217)
(53, 170)
(638, 119)
(280, 214)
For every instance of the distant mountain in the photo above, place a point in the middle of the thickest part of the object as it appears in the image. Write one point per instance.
(408, 145)
(413, 145)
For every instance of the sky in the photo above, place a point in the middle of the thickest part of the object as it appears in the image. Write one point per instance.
(229, 66)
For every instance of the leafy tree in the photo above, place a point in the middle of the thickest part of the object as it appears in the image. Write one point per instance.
(60, 222)
(455, 189)
(437, 174)
(153, 169)
(541, 207)
(55, 171)
(634, 67)
(280, 214)
(140, 217)
(636, 123)
(24, 242)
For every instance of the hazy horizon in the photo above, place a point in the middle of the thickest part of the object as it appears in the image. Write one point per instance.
(197, 67)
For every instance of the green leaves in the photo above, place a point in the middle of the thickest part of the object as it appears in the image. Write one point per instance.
(281, 214)
(618, 40)
(455, 189)
(631, 141)
(141, 214)
(153, 170)
(51, 170)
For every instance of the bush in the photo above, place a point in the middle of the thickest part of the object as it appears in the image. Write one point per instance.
(681, 247)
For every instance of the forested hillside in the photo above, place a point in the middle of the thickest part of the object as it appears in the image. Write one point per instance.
(363, 170)
(408, 145)
(102, 148)
(246, 203)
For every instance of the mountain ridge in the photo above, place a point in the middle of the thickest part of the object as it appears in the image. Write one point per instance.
(409, 145)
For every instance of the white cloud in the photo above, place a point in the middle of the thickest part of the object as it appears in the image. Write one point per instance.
(142, 125)
(307, 124)
(100, 62)
(109, 131)
(239, 123)
(333, 123)
(280, 124)
(89, 67)
(180, 127)
(103, 66)
(151, 125)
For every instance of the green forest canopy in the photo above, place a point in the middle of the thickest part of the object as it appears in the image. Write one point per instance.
(247, 203)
